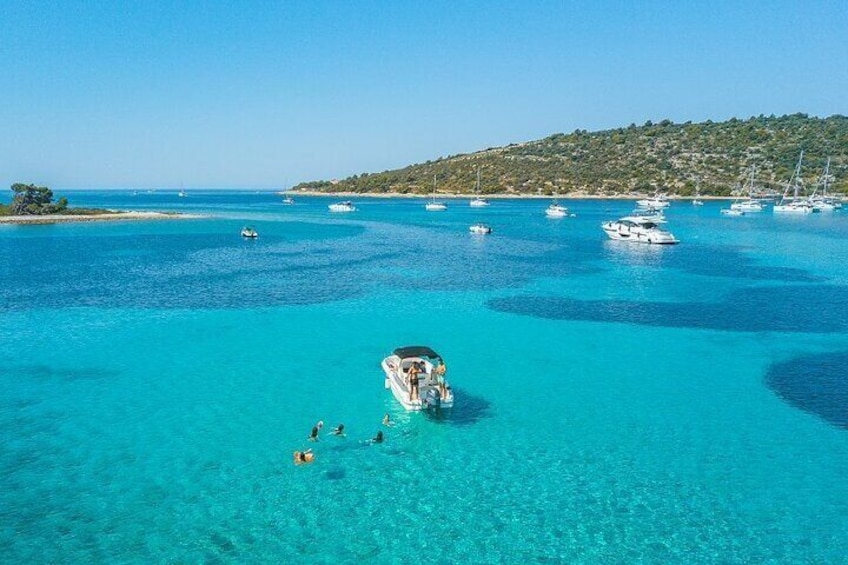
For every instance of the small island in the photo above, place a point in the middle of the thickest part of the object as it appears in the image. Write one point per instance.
(33, 204)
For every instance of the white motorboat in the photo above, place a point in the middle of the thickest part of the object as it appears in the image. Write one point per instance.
(249, 233)
(433, 205)
(425, 388)
(346, 206)
(478, 201)
(481, 229)
(657, 202)
(732, 211)
(641, 229)
(697, 202)
(556, 211)
(796, 203)
(649, 214)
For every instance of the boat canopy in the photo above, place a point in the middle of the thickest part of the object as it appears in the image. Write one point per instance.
(416, 351)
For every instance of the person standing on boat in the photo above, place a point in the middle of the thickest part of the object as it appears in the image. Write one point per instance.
(413, 381)
(440, 371)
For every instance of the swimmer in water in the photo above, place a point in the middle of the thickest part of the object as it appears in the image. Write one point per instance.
(338, 430)
(378, 438)
(301, 457)
(387, 420)
(314, 435)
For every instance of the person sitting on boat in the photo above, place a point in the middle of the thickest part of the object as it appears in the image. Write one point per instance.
(338, 430)
(387, 420)
(301, 457)
(440, 371)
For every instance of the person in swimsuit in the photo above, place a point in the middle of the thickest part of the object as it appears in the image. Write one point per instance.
(413, 381)
(338, 430)
(378, 438)
(301, 457)
(387, 420)
(314, 435)
(440, 371)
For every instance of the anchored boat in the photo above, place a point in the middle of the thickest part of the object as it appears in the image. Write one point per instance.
(415, 375)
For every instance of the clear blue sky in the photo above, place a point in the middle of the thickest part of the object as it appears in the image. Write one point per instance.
(261, 94)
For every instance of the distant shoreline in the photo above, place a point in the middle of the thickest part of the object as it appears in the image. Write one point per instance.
(109, 216)
(501, 196)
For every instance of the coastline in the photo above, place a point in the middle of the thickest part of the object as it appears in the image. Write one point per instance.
(498, 196)
(111, 216)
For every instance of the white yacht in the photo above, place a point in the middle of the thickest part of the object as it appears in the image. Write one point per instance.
(346, 206)
(749, 204)
(431, 392)
(481, 229)
(182, 194)
(657, 202)
(433, 205)
(795, 204)
(478, 201)
(288, 200)
(556, 210)
(640, 229)
(732, 211)
(249, 233)
(822, 200)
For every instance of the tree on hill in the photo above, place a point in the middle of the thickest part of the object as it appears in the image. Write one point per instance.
(31, 200)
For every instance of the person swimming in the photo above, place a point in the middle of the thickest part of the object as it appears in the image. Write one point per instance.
(313, 436)
(301, 457)
(387, 420)
(378, 438)
(338, 430)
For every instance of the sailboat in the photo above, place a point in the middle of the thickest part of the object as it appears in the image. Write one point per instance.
(822, 201)
(751, 204)
(697, 200)
(794, 204)
(434, 205)
(478, 201)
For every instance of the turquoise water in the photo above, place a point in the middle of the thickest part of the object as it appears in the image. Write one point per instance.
(614, 404)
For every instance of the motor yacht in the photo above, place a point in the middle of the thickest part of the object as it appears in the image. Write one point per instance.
(249, 233)
(346, 206)
(431, 392)
(481, 229)
(732, 211)
(658, 201)
(641, 229)
(556, 211)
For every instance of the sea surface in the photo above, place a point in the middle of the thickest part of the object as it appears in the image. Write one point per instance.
(615, 403)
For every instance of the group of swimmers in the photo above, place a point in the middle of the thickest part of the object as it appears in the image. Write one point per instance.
(308, 456)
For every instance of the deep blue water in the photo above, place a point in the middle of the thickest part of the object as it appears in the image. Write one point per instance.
(615, 403)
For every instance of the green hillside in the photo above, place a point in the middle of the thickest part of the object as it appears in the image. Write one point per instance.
(643, 159)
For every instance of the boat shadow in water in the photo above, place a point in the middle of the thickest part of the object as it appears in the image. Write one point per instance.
(468, 409)
(814, 384)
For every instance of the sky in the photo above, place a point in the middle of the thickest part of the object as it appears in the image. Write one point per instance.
(264, 95)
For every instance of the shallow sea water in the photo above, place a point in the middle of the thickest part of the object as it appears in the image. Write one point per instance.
(615, 404)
